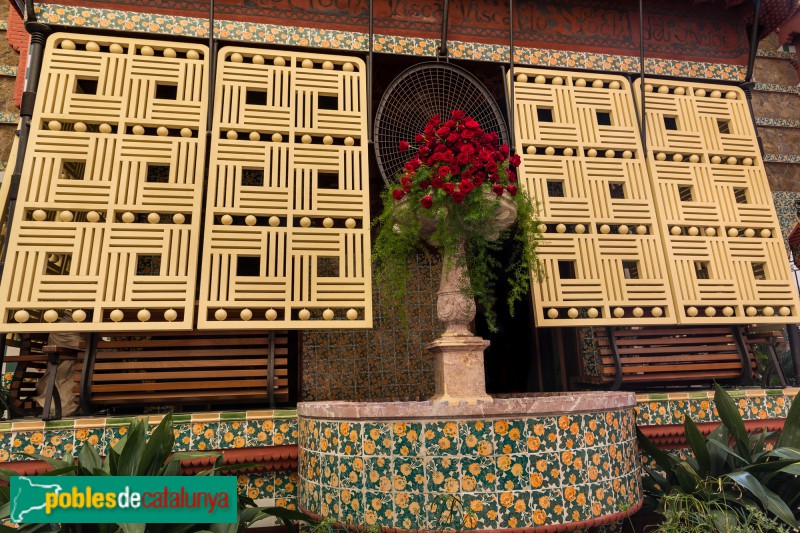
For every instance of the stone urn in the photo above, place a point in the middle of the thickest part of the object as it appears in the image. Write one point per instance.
(458, 353)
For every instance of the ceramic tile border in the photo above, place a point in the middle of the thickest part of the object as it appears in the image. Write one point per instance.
(9, 118)
(777, 122)
(663, 409)
(8, 70)
(782, 158)
(777, 88)
(776, 54)
(109, 19)
(3, 24)
(154, 419)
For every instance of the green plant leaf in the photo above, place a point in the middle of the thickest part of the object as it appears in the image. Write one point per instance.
(727, 449)
(688, 479)
(769, 500)
(132, 528)
(664, 461)
(729, 414)
(131, 455)
(55, 463)
(158, 447)
(790, 437)
(89, 459)
(698, 445)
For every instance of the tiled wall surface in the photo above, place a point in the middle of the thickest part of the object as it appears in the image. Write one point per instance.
(507, 473)
(754, 404)
(197, 432)
(388, 362)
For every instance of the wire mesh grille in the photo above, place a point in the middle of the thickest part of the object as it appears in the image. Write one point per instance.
(415, 96)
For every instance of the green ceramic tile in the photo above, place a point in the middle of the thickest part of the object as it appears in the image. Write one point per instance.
(5, 426)
(59, 424)
(232, 415)
(181, 418)
(119, 421)
(285, 413)
(655, 397)
(698, 395)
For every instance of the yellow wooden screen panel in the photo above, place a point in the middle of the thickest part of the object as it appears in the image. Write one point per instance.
(106, 229)
(287, 214)
(582, 159)
(721, 233)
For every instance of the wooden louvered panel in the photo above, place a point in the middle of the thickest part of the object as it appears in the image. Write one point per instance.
(194, 368)
(582, 161)
(721, 235)
(107, 224)
(287, 216)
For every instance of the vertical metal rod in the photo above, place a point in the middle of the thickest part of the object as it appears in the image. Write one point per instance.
(271, 370)
(511, 133)
(642, 69)
(39, 33)
(369, 71)
(751, 60)
(212, 66)
(445, 20)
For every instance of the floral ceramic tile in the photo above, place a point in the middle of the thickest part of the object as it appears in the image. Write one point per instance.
(351, 472)
(479, 474)
(477, 436)
(232, 434)
(480, 511)
(571, 432)
(547, 507)
(408, 474)
(409, 508)
(442, 474)
(545, 471)
(377, 439)
(542, 434)
(377, 474)
(576, 502)
(407, 438)
(509, 436)
(442, 438)
(285, 432)
(512, 472)
(514, 509)
(350, 435)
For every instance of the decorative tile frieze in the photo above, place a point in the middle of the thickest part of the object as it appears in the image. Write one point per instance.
(110, 19)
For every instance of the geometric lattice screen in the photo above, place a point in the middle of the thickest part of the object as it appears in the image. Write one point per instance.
(582, 160)
(286, 240)
(721, 234)
(106, 229)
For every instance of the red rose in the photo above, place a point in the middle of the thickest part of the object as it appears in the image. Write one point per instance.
(435, 120)
(497, 189)
(467, 134)
(491, 167)
(436, 182)
(424, 184)
(515, 160)
(429, 130)
(424, 150)
(452, 138)
(419, 138)
(444, 171)
(443, 131)
(403, 146)
(471, 124)
(504, 150)
(438, 157)
(466, 186)
(426, 202)
(494, 178)
(512, 177)
(457, 196)
(439, 148)
(477, 181)
(398, 194)
(448, 187)
(458, 114)
(512, 190)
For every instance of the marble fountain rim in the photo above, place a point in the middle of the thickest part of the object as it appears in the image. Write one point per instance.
(551, 403)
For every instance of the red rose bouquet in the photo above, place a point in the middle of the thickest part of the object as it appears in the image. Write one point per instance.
(456, 183)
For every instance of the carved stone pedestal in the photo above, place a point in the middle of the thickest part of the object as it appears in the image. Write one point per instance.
(458, 353)
(460, 375)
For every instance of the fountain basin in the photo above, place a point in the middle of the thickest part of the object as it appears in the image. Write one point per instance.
(558, 461)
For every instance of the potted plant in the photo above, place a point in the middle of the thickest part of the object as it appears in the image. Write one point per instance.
(459, 193)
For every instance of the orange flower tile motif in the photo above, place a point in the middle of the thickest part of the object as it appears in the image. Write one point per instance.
(480, 473)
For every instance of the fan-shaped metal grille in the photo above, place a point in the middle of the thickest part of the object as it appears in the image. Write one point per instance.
(415, 96)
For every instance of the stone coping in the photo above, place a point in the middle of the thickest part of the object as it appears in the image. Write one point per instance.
(526, 405)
